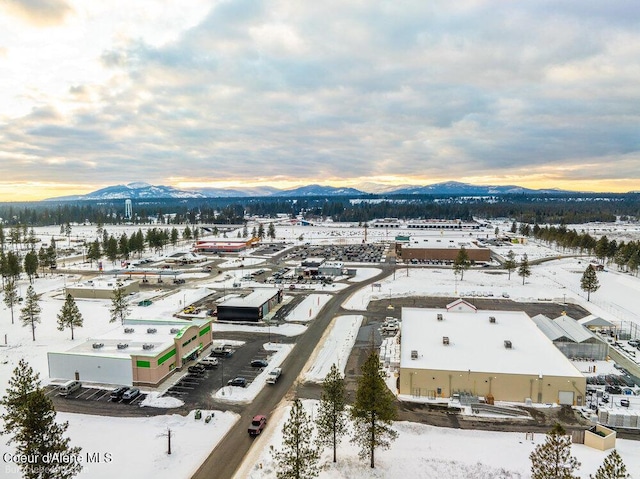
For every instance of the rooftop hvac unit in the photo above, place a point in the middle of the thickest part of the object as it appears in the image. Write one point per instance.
(152, 330)
(123, 345)
(175, 330)
(440, 318)
(148, 346)
(414, 354)
(129, 330)
(445, 340)
(492, 319)
(98, 345)
(507, 344)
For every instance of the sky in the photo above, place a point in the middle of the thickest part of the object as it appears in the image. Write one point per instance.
(221, 93)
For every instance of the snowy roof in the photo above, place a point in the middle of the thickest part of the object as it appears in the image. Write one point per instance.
(441, 242)
(563, 327)
(477, 344)
(253, 300)
(595, 321)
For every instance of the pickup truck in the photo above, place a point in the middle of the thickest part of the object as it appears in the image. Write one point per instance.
(221, 351)
(257, 425)
(273, 375)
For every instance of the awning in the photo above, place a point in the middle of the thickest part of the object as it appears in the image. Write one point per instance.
(197, 348)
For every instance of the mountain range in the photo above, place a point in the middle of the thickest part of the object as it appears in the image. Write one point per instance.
(140, 190)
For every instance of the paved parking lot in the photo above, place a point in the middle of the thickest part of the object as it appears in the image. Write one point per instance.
(92, 394)
(360, 253)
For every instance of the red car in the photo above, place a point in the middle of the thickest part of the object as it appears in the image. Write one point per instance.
(257, 425)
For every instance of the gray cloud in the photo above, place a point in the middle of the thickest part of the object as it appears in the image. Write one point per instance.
(343, 89)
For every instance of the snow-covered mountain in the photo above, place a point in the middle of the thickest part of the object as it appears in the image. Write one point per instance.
(133, 191)
(319, 190)
(466, 189)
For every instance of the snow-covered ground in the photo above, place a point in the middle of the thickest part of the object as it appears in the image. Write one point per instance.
(309, 308)
(138, 446)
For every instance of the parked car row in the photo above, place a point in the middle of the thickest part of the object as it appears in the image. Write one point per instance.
(124, 393)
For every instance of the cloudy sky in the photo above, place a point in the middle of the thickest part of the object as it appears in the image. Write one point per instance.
(226, 93)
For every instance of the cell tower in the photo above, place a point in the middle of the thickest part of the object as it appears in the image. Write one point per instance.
(128, 209)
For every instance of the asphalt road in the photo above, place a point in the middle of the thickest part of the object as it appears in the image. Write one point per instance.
(225, 459)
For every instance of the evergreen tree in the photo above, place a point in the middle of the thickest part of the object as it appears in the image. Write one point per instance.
(52, 254)
(254, 232)
(69, 316)
(42, 257)
(111, 249)
(30, 313)
(553, 459)
(119, 307)
(510, 263)
(245, 231)
(298, 458)
(13, 268)
(31, 264)
(29, 423)
(589, 282)
(373, 411)
(271, 231)
(524, 270)
(260, 231)
(174, 236)
(10, 291)
(94, 252)
(332, 421)
(461, 263)
(612, 468)
(186, 234)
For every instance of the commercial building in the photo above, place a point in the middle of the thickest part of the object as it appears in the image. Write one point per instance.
(102, 288)
(253, 307)
(139, 352)
(223, 246)
(441, 249)
(494, 354)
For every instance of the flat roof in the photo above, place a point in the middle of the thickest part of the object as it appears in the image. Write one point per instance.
(440, 243)
(102, 283)
(476, 344)
(252, 300)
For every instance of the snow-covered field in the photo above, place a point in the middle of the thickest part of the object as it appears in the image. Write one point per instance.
(421, 451)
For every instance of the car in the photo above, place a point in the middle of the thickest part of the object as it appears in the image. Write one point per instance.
(221, 351)
(130, 394)
(196, 369)
(209, 362)
(116, 394)
(238, 381)
(257, 425)
(273, 375)
(179, 281)
(613, 389)
(259, 363)
(624, 402)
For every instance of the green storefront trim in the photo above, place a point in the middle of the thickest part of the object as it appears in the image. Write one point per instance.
(143, 364)
(205, 331)
(170, 354)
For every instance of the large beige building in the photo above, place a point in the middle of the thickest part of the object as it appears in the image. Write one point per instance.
(441, 249)
(501, 354)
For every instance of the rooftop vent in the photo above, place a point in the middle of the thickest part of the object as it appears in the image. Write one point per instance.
(123, 345)
(445, 340)
(152, 330)
(492, 319)
(175, 330)
(129, 330)
(148, 346)
(98, 345)
(440, 318)
(507, 344)
(414, 354)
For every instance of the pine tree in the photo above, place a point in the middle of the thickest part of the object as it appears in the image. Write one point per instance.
(373, 411)
(461, 263)
(553, 459)
(10, 295)
(30, 313)
(332, 421)
(298, 458)
(524, 270)
(271, 231)
(29, 423)
(31, 264)
(612, 468)
(260, 231)
(510, 263)
(589, 282)
(119, 306)
(69, 316)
